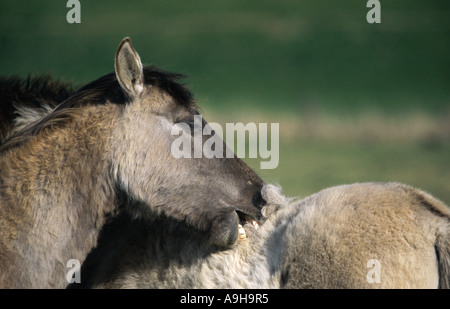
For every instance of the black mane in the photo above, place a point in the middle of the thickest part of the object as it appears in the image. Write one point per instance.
(40, 90)
(107, 88)
(31, 92)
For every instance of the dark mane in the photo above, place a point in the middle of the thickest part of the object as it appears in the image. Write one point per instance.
(32, 92)
(105, 88)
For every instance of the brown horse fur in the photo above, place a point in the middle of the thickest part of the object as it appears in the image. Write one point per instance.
(105, 146)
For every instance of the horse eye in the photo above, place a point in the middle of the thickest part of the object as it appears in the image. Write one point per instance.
(189, 122)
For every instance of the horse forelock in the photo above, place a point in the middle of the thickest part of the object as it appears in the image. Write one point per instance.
(102, 90)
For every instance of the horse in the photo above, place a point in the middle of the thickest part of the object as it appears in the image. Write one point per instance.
(372, 235)
(105, 149)
(363, 235)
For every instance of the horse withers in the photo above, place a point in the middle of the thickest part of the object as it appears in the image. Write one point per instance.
(107, 149)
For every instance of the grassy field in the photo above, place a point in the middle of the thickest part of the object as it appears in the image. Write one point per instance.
(355, 101)
(307, 167)
(317, 151)
(265, 54)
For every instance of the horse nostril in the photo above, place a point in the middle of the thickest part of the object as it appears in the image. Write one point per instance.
(258, 200)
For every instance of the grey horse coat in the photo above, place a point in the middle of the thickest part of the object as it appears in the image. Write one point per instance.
(368, 235)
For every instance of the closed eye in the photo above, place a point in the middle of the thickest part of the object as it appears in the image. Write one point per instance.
(190, 123)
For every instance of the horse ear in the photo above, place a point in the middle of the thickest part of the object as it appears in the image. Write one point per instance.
(129, 70)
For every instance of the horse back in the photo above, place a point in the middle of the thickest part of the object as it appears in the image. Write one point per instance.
(372, 235)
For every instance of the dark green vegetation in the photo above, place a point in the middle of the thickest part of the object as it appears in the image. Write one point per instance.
(308, 167)
(277, 58)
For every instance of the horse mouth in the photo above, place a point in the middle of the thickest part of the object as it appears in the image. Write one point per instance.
(245, 221)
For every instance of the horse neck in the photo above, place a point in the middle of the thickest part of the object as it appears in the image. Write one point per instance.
(243, 267)
(247, 265)
(256, 262)
(56, 195)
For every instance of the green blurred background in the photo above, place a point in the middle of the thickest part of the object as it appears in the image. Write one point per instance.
(355, 101)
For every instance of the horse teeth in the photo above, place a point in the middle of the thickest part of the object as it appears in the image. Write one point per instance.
(242, 234)
(253, 222)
